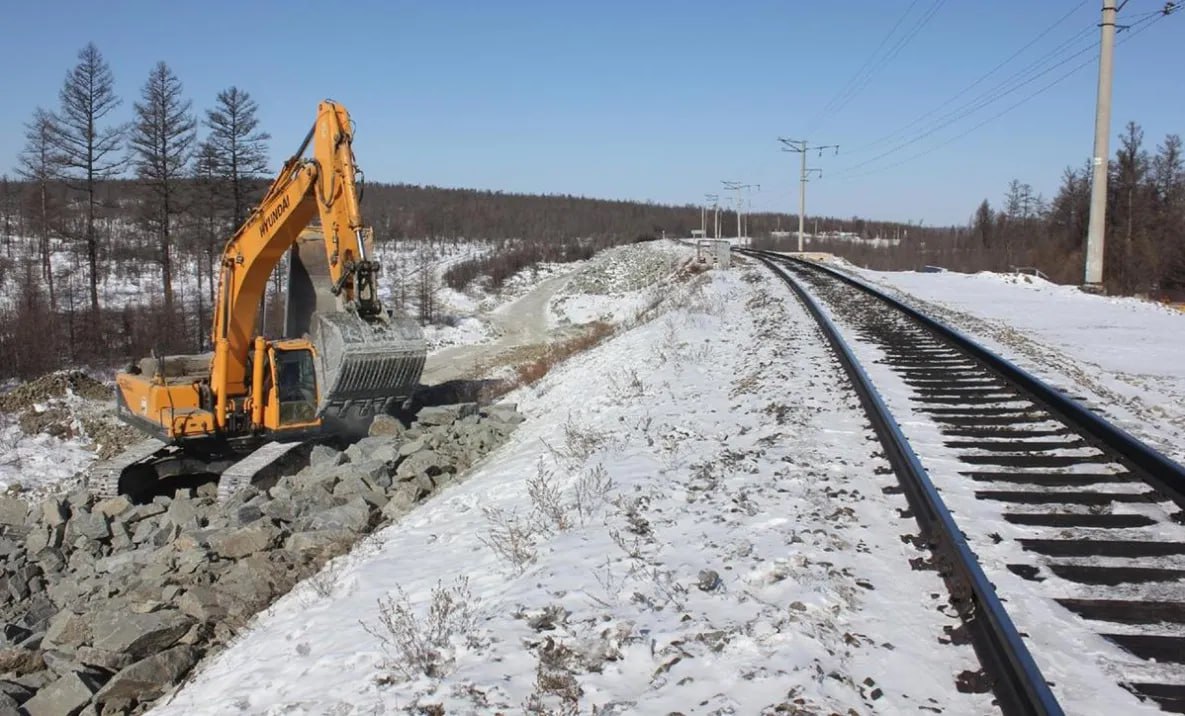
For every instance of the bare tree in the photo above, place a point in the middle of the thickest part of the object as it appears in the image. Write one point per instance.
(86, 152)
(161, 146)
(7, 211)
(239, 150)
(36, 164)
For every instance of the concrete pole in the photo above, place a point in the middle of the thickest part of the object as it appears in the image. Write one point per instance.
(739, 209)
(716, 208)
(802, 200)
(1102, 131)
(703, 222)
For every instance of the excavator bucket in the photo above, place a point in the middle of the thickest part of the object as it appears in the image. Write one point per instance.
(365, 366)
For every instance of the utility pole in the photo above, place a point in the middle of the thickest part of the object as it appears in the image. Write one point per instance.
(735, 186)
(802, 147)
(738, 187)
(714, 198)
(1102, 129)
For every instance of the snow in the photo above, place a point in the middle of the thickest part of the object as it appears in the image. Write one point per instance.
(39, 462)
(615, 284)
(735, 452)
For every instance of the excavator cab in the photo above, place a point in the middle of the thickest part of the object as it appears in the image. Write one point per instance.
(295, 381)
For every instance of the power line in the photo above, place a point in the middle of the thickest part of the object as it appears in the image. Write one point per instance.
(896, 50)
(971, 108)
(868, 69)
(985, 76)
(1136, 28)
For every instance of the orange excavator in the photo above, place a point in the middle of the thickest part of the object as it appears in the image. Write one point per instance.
(254, 402)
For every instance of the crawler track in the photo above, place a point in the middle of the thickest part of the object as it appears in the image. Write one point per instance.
(1097, 514)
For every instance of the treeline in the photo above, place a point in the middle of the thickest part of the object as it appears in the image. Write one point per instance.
(168, 183)
(97, 201)
(1145, 227)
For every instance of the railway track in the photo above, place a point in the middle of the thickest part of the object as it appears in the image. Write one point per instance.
(1089, 519)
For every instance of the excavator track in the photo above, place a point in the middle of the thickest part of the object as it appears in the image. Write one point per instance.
(262, 467)
(103, 479)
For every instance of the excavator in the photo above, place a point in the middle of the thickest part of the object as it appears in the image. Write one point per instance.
(251, 407)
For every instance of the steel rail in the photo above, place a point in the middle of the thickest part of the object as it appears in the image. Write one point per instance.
(1159, 469)
(1017, 682)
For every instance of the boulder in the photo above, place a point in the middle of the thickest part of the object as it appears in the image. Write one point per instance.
(252, 582)
(401, 502)
(385, 426)
(183, 512)
(353, 516)
(363, 487)
(150, 677)
(91, 525)
(245, 515)
(311, 478)
(424, 462)
(202, 603)
(380, 448)
(113, 507)
(329, 542)
(412, 446)
(14, 634)
(17, 692)
(101, 658)
(239, 543)
(141, 512)
(323, 455)
(505, 413)
(9, 547)
(64, 697)
(62, 664)
(67, 630)
(138, 634)
(282, 510)
(19, 661)
(54, 511)
(445, 414)
(13, 511)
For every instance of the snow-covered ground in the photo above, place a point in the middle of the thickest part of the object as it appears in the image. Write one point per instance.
(1124, 356)
(52, 428)
(692, 519)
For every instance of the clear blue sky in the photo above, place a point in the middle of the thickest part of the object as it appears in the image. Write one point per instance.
(642, 100)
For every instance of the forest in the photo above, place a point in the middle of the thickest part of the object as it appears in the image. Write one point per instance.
(96, 203)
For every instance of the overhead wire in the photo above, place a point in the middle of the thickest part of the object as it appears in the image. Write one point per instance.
(892, 54)
(974, 106)
(1003, 63)
(873, 63)
(1143, 23)
(997, 93)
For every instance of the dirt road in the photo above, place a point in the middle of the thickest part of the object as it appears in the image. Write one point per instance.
(520, 323)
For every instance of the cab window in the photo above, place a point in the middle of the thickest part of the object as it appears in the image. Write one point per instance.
(296, 386)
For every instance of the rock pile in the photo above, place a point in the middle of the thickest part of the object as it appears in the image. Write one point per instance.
(108, 604)
(53, 385)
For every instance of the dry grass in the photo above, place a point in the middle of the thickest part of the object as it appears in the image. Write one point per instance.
(593, 335)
